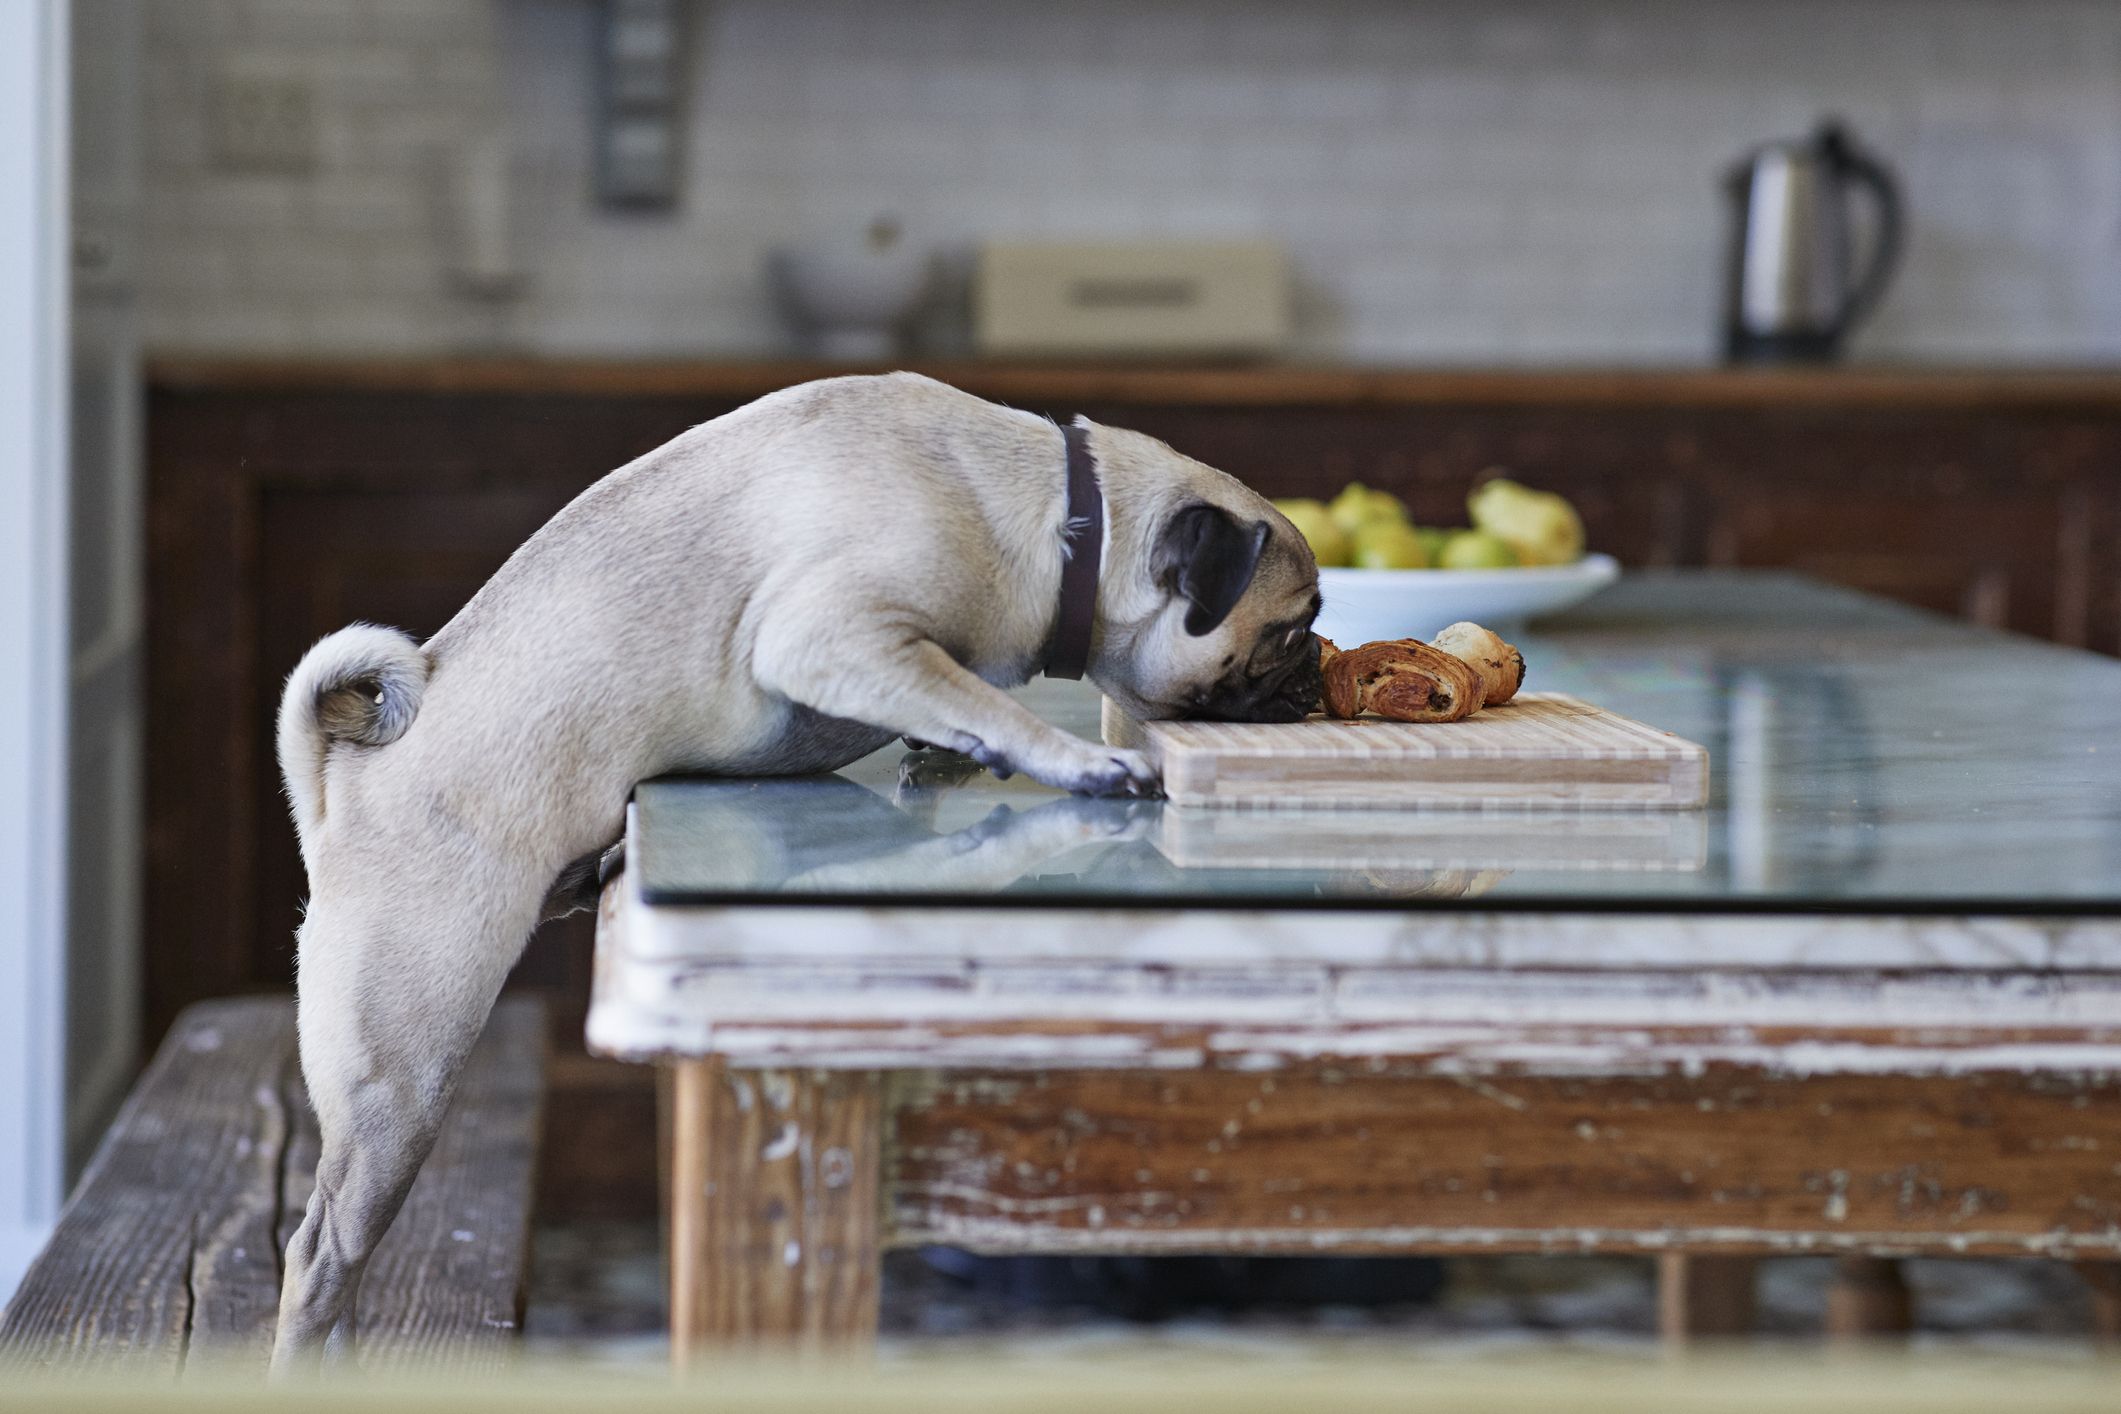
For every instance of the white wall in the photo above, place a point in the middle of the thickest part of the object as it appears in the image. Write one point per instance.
(33, 73)
(1517, 180)
(106, 628)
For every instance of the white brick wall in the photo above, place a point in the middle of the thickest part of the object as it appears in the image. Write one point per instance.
(1508, 182)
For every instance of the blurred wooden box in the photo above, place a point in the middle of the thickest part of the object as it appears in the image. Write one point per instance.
(1163, 299)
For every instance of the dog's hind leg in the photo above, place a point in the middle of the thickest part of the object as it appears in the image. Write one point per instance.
(395, 988)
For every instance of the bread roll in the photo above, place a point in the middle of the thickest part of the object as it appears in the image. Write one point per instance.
(1500, 665)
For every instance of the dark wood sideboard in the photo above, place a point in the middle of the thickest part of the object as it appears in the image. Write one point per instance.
(286, 500)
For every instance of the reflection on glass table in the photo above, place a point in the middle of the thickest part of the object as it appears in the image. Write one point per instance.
(1852, 766)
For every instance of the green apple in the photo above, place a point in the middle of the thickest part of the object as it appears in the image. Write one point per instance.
(1389, 545)
(1478, 550)
(1542, 528)
(1329, 543)
(1357, 505)
(1433, 540)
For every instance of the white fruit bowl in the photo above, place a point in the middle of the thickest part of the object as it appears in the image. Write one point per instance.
(1363, 606)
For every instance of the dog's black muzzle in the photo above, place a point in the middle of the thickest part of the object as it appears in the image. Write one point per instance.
(1287, 693)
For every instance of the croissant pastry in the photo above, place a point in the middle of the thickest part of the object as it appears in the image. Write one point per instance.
(1500, 665)
(1402, 679)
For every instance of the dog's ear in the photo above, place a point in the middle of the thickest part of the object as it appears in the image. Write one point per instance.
(1207, 557)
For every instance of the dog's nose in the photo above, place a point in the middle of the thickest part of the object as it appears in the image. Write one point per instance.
(1289, 693)
(1292, 699)
(1266, 709)
(1306, 685)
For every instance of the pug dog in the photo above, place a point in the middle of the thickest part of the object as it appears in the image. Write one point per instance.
(778, 591)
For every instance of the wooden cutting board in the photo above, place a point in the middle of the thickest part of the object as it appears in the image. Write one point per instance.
(1541, 749)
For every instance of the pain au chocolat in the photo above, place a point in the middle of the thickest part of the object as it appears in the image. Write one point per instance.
(1404, 680)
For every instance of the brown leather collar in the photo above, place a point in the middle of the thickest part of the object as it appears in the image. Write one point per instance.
(1083, 536)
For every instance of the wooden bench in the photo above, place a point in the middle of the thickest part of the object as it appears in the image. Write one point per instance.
(169, 1251)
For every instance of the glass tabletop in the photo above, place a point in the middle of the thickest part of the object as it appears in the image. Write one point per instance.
(1864, 757)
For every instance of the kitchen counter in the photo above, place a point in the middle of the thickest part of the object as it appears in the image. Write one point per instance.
(1248, 386)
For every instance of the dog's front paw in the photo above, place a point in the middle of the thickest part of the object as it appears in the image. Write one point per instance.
(1101, 770)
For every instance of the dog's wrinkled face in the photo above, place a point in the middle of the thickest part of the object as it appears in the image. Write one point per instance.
(1234, 642)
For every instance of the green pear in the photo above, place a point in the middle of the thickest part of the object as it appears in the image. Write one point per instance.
(1357, 505)
(1329, 543)
(1541, 527)
(1478, 550)
(1389, 545)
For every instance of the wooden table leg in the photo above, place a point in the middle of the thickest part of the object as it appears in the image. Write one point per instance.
(1869, 1298)
(1703, 1297)
(775, 1219)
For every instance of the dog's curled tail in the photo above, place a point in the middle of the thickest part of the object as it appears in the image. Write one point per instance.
(361, 685)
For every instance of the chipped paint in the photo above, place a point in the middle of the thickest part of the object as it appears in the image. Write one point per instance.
(1837, 1200)
(917, 1224)
(1163, 938)
(886, 988)
(783, 1144)
(1499, 1096)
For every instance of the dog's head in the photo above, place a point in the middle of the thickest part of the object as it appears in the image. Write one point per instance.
(1234, 588)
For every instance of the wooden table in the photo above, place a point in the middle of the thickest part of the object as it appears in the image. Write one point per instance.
(1868, 1003)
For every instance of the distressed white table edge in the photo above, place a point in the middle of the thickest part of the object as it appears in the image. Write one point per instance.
(896, 987)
